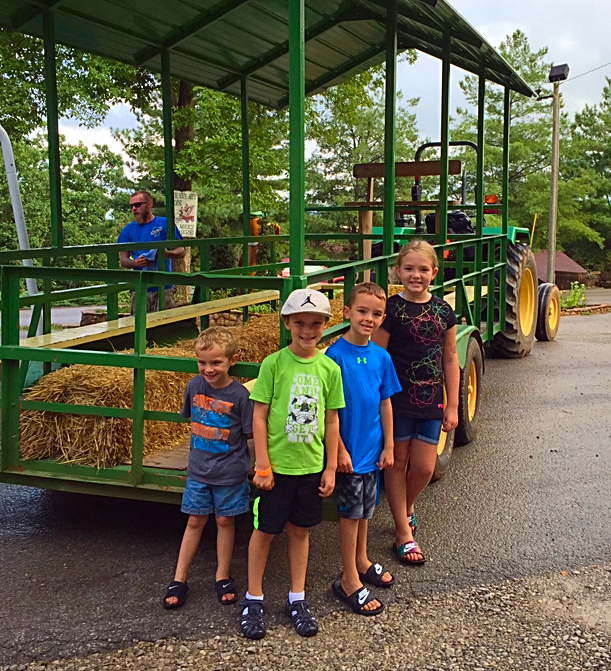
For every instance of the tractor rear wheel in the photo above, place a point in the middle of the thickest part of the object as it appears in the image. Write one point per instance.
(520, 305)
(469, 393)
(548, 318)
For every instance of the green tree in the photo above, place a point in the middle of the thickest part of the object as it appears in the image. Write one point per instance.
(87, 85)
(92, 182)
(211, 153)
(589, 160)
(530, 137)
(530, 148)
(346, 125)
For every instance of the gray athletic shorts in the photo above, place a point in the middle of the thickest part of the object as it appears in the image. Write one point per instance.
(152, 300)
(356, 494)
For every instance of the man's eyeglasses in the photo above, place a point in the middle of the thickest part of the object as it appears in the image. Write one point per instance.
(137, 204)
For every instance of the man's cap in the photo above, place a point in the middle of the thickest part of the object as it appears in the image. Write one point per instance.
(306, 300)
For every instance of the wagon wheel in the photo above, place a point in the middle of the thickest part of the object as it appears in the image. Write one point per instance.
(469, 393)
(445, 447)
(520, 305)
(548, 318)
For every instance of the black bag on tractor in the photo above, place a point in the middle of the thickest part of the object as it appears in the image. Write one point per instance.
(458, 223)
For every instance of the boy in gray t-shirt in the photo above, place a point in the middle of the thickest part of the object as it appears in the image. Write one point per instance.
(217, 475)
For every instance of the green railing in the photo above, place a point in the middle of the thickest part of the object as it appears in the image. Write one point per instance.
(137, 480)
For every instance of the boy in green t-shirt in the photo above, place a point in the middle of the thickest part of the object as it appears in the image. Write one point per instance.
(295, 421)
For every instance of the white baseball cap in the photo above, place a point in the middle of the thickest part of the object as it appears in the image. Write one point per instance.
(306, 300)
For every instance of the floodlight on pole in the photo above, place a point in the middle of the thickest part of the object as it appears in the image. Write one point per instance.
(557, 74)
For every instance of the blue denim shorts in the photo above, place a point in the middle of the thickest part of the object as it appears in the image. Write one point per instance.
(201, 499)
(426, 430)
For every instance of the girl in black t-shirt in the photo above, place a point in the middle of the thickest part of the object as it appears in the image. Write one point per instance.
(419, 333)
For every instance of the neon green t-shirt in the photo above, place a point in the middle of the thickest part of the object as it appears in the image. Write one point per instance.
(298, 392)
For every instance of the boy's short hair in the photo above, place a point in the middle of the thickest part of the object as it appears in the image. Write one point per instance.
(217, 335)
(367, 288)
(306, 300)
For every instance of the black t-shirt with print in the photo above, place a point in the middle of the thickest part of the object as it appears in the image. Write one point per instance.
(416, 333)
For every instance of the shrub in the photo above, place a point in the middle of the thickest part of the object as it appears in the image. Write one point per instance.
(574, 298)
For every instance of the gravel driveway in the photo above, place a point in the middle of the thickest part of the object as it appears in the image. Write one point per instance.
(560, 621)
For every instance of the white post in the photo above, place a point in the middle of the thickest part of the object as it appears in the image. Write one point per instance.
(553, 201)
(22, 232)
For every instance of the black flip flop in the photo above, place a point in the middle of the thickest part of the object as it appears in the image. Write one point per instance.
(357, 599)
(373, 576)
(178, 590)
(227, 586)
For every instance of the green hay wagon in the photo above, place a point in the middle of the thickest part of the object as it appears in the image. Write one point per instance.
(274, 52)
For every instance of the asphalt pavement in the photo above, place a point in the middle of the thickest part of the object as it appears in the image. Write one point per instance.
(530, 495)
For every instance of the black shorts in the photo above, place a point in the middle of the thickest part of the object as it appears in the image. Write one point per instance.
(293, 498)
(356, 494)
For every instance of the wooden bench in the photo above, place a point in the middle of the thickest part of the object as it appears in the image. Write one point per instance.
(85, 334)
(71, 337)
(450, 297)
(405, 169)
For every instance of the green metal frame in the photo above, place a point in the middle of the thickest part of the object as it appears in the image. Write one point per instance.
(136, 480)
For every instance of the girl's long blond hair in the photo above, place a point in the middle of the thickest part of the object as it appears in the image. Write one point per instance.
(422, 247)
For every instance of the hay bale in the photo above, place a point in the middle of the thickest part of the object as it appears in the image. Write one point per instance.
(101, 441)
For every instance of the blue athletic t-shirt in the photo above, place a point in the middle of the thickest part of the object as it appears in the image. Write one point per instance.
(369, 377)
(153, 231)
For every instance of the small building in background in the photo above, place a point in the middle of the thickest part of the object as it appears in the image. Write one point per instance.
(567, 270)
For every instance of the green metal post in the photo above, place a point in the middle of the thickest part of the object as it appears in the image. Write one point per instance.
(297, 136)
(245, 177)
(204, 267)
(168, 159)
(55, 189)
(137, 471)
(46, 318)
(506, 131)
(9, 457)
(505, 197)
(479, 190)
(245, 166)
(390, 130)
(445, 147)
(481, 116)
(112, 299)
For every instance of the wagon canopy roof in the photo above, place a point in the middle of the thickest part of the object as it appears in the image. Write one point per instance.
(214, 42)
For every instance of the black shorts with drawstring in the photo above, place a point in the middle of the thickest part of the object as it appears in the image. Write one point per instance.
(293, 498)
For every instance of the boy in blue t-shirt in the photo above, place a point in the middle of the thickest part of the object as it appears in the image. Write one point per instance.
(366, 443)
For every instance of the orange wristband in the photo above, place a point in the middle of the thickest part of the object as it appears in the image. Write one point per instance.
(263, 474)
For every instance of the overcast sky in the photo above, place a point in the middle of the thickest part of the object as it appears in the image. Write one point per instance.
(577, 33)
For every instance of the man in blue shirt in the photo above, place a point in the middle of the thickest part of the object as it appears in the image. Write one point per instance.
(148, 228)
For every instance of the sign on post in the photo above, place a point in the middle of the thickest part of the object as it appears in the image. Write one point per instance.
(185, 213)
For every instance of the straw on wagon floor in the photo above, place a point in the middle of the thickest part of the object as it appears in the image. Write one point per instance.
(101, 441)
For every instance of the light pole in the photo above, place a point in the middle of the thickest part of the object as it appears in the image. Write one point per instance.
(557, 74)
